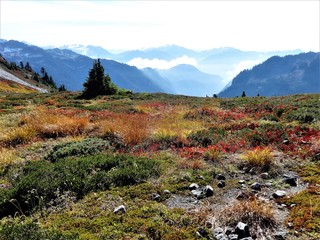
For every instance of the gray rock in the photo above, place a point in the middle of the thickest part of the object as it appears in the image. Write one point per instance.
(228, 231)
(242, 230)
(221, 177)
(166, 192)
(291, 181)
(268, 184)
(279, 194)
(252, 171)
(197, 193)
(247, 238)
(256, 186)
(202, 232)
(285, 141)
(233, 237)
(221, 236)
(208, 191)
(193, 186)
(217, 231)
(264, 175)
(120, 209)
(221, 184)
(242, 181)
(242, 195)
(208, 224)
(155, 197)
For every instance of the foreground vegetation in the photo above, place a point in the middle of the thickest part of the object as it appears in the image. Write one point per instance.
(66, 164)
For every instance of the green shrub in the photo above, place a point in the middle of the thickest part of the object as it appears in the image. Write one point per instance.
(304, 114)
(81, 148)
(39, 181)
(12, 230)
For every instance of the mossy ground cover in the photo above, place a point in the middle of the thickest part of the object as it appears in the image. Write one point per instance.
(66, 163)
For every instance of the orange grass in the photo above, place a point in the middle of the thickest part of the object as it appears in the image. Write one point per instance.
(131, 128)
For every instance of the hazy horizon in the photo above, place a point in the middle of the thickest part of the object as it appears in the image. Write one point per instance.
(132, 25)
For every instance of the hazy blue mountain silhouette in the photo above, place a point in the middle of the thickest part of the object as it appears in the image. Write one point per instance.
(277, 76)
(188, 80)
(89, 51)
(71, 69)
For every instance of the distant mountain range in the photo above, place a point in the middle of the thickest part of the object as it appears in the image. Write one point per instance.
(277, 76)
(204, 73)
(225, 62)
(71, 69)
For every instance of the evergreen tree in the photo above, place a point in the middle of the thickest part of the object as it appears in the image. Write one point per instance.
(243, 94)
(21, 65)
(28, 67)
(97, 83)
(62, 88)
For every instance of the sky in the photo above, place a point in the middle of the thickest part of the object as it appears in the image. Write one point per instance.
(125, 25)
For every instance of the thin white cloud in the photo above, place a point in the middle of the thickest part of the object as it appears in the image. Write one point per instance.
(160, 63)
(237, 68)
(247, 25)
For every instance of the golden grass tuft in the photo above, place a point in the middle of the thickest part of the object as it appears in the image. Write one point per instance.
(8, 158)
(255, 214)
(48, 123)
(18, 135)
(194, 164)
(212, 154)
(131, 128)
(259, 157)
(173, 123)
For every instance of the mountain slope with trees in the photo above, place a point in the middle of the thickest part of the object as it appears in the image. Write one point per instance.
(277, 76)
(71, 69)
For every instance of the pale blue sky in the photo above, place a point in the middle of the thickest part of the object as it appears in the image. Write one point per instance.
(123, 25)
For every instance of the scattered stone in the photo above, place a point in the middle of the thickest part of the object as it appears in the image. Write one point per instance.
(291, 181)
(228, 231)
(285, 141)
(279, 194)
(252, 171)
(221, 177)
(202, 232)
(256, 186)
(208, 191)
(268, 184)
(120, 209)
(221, 236)
(241, 181)
(242, 230)
(247, 238)
(243, 186)
(155, 197)
(193, 186)
(221, 184)
(233, 237)
(242, 195)
(217, 231)
(166, 192)
(292, 205)
(208, 224)
(264, 175)
(197, 193)
(290, 225)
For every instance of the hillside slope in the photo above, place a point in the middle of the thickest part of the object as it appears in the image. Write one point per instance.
(277, 76)
(71, 69)
(18, 80)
